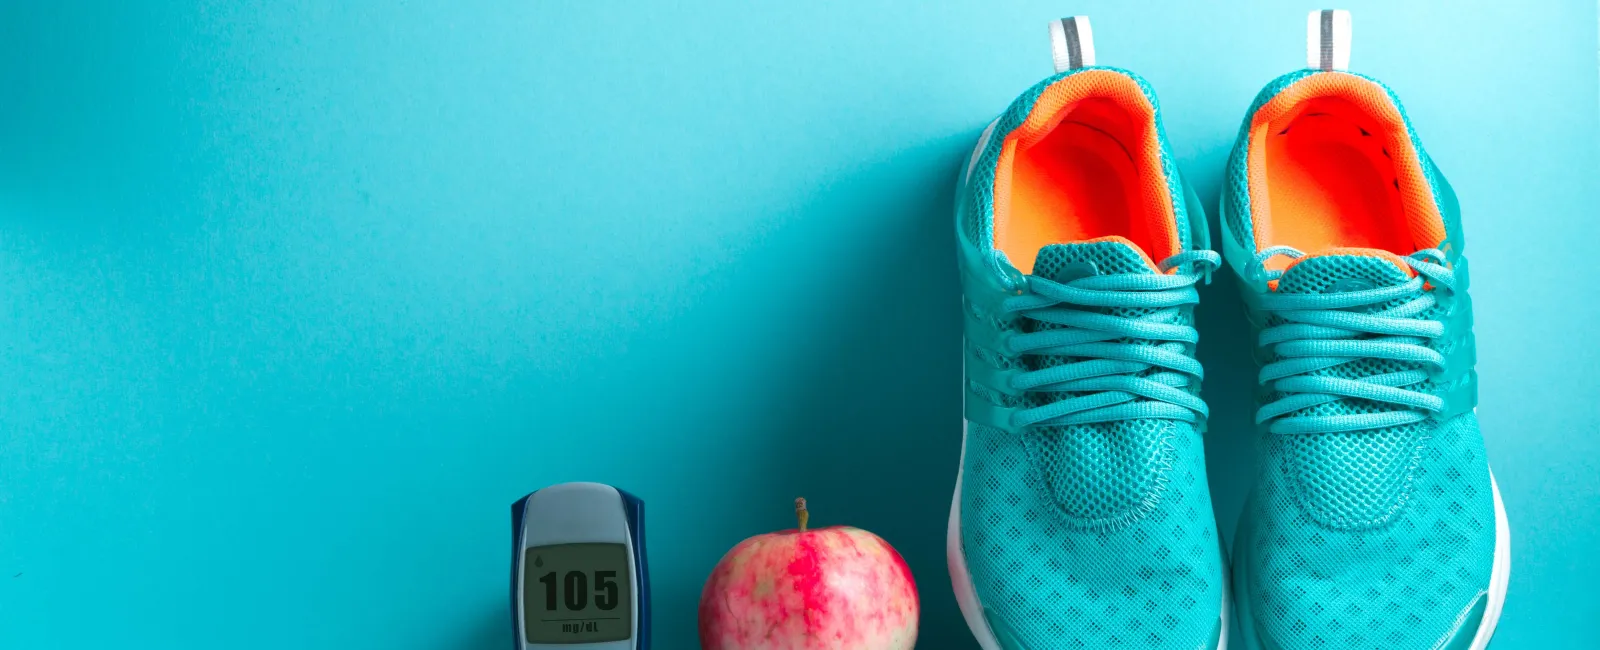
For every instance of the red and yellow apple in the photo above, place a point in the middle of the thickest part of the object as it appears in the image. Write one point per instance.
(833, 588)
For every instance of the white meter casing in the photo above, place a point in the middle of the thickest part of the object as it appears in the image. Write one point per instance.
(579, 580)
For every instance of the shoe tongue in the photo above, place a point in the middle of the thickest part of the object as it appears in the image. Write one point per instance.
(1344, 269)
(1351, 478)
(1097, 474)
(1108, 256)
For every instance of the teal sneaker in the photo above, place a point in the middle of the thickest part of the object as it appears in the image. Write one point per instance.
(1081, 516)
(1374, 522)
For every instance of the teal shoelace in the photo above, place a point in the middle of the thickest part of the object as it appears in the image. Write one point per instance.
(1114, 379)
(1321, 330)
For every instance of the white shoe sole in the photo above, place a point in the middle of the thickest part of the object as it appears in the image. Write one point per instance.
(1500, 576)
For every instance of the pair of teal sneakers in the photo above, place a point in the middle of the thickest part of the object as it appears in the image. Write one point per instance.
(1081, 517)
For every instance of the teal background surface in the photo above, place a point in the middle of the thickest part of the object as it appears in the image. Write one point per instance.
(297, 297)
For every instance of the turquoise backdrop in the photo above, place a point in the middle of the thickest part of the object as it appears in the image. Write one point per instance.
(296, 297)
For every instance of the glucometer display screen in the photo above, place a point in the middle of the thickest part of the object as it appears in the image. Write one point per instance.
(577, 593)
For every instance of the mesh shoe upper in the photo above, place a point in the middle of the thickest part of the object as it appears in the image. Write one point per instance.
(1093, 536)
(1154, 581)
(1377, 537)
(1404, 584)
(1097, 535)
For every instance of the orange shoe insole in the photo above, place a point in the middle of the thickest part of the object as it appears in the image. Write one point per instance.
(1076, 184)
(1331, 184)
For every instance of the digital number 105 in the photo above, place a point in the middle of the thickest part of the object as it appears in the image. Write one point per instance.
(575, 588)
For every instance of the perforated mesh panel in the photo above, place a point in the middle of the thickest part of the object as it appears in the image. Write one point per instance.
(1103, 474)
(1402, 585)
(1108, 258)
(1093, 536)
(1155, 583)
(1236, 194)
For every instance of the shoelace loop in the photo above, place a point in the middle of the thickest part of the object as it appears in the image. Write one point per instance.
(1109, 379)
(1320, 331)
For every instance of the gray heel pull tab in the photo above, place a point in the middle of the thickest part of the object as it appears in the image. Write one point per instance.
(1328, 40)
(1071, 43)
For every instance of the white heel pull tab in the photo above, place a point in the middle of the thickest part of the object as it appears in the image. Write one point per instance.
(1328, 40)
(1071, 43)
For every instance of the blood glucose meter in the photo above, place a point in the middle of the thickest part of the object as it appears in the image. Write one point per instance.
(579, 579)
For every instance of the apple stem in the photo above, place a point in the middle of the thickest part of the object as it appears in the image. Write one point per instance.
(800, 511)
